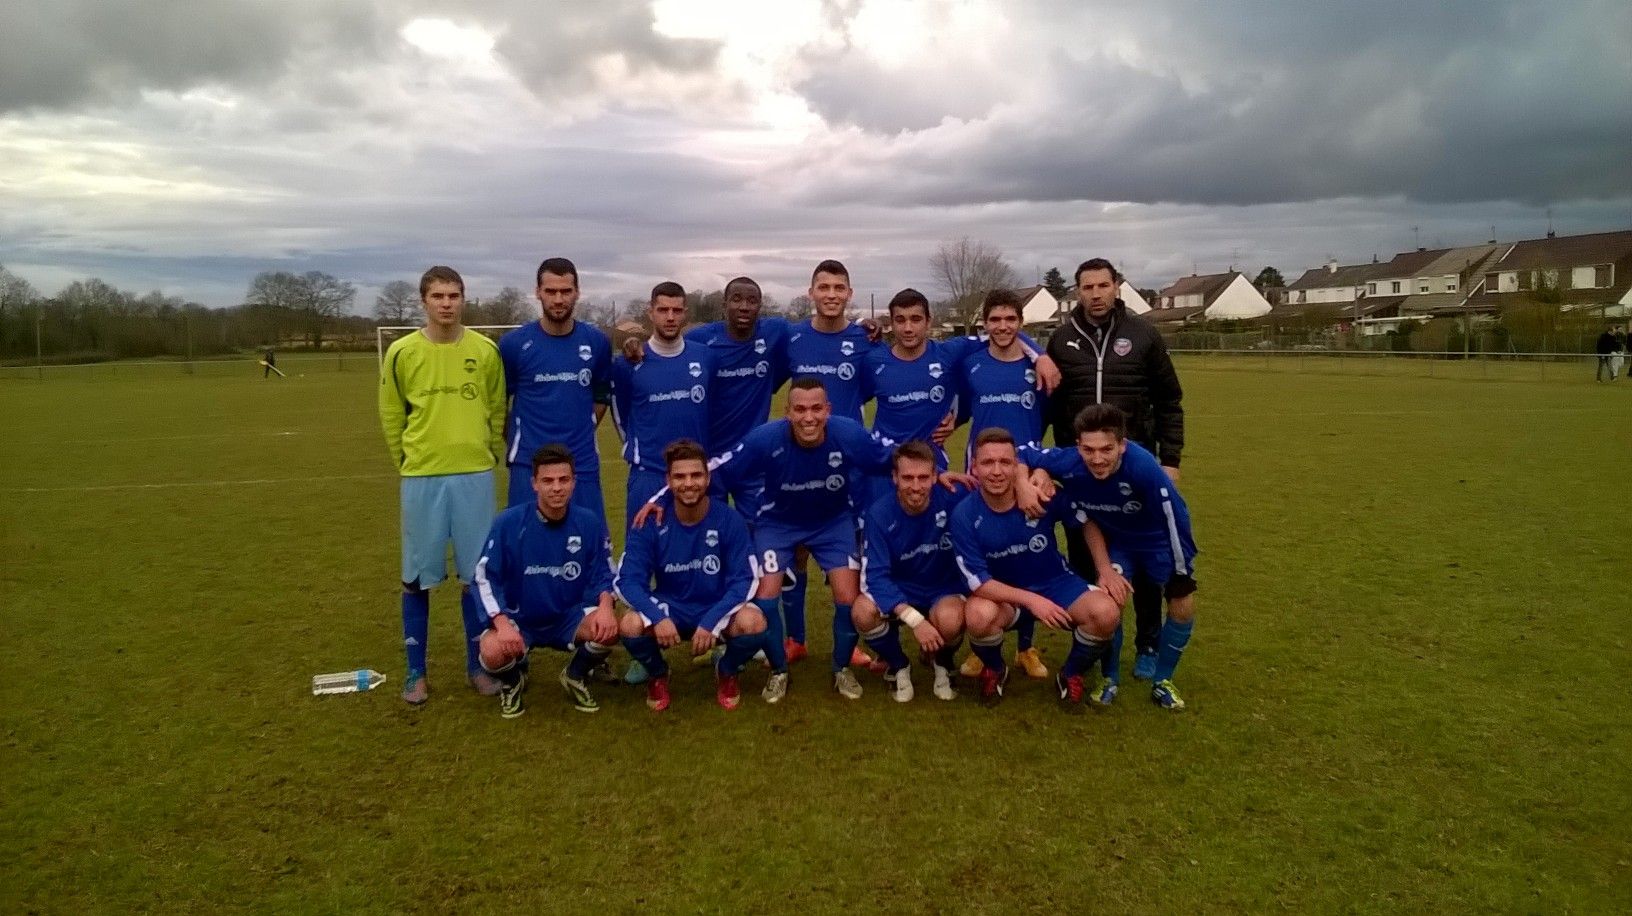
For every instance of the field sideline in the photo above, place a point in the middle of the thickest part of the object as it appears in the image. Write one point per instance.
(1407, 687)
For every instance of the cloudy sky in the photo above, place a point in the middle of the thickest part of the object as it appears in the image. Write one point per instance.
(184, 145)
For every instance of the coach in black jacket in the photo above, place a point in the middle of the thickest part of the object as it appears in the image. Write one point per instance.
(1106, 354)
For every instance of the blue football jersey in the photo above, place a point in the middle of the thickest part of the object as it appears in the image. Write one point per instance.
(535, 571)
(908, 559)
(662, 399)
(554, 384)
(1137, 506)
(1006, 546)
(707, 569)
(1001, 395)
(805, 487)
(746, 375)
(838, 360)
(915, 395)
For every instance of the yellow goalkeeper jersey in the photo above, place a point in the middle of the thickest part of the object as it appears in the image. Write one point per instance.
(442, 405)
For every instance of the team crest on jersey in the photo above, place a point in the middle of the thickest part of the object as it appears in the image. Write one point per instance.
(584, 352)
(697, 394)
(1031, 377)
(937, 394)
(583, 377)
(835, 482)
(571, 571)
(847, 347)
(712, 537)
(1132, 506)
(1125, 488)
(847, 371)
(1027, 399)
(762, 369)
(696, 369)
(935, 370)
(1038, 543)
(940, 519)
(1122, 347)
(759, 345)
(574, 543)
(470, 364)
(711, 565)
(834, 459)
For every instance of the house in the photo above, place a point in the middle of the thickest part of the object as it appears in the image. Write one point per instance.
(1038, 306)
(1330, 283)
(1131, 298)
(1177, 318)
(1222, 297)
(1584, 271)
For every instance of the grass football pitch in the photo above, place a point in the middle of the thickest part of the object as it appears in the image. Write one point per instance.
(1407, 687)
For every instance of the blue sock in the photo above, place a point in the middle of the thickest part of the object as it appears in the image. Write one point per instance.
(644, 649)
(589, 655)
(475, 621)
(845, 637)
(887, 643)
(990, 653)
(1175, 636)
(1085, 650)
(416, 627)
(775, 652)
(739, 649)
(793, 607)
(1110, 664)
(1027, 628)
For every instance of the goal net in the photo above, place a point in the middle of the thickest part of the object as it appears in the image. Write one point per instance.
(385, 334)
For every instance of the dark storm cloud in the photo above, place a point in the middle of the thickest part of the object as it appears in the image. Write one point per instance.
(1252, 103)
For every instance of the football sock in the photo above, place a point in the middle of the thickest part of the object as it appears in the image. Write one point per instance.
(989, 649)
(887, 644)
(947, 655)
(644, 649)
(511, 673)
(1175, 636)
(775, 652)
(416, 627)
(1086, 648)
(845, 637)
(589, 655)
(793, 606)
(1027, 630)
(739, 649)
(1110, 664)
(475, 621)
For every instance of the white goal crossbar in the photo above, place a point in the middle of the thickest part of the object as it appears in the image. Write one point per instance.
(393, 331)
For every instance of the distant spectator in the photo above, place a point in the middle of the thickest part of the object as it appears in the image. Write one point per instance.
(270, 363)
(1607, 347)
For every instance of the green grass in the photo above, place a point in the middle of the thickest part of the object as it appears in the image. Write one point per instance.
(1407, 687)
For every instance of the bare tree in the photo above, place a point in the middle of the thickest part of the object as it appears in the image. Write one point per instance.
(966, 270)
(16, 294)
(508, 307)
(277, 289)
(397, 303)
(799, 307)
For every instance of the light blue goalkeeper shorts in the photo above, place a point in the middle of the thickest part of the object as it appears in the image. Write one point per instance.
(442, 508)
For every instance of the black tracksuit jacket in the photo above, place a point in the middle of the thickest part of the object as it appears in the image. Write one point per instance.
(1125, 363)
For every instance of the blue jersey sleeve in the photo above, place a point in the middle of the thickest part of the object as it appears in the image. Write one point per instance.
(741, 463)
(599, 565)
(966, 545)
(490, 571)
(867, 450)
(876, 560)
(737, 558)
(704, 333)
(634, 581)
(1063, 463)
(507, 356)
(621, 381)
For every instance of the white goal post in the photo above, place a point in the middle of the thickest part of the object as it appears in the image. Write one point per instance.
(384, 334)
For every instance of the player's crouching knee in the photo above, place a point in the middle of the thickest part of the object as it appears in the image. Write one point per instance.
(1182, 610)
(631, 625)
(982, 617)
(1103, 613)
(494, 656)
(747, 621)
(865, 615)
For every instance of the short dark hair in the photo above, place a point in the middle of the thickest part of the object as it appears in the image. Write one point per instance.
(1096, 264)
(553, 454)
(909, 298)
(1096, 418)
(440, 274)
(993, 435)
(561, 267)
(830, 266)
(684, 450)
(668, 288)
(807, 383)
(915, 450)
(745, 281)
(999, 298)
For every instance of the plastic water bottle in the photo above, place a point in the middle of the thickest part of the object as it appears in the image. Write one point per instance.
(346, 681)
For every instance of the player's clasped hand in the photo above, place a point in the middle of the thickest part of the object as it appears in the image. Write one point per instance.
(929, 638)
(1116, 585)
(702, 641)
(667, 634)
(510, 641)
(603, 625)
(1049, 613)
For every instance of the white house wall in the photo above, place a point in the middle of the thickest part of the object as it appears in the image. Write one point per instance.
(1131, 298)
(1040, 308)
